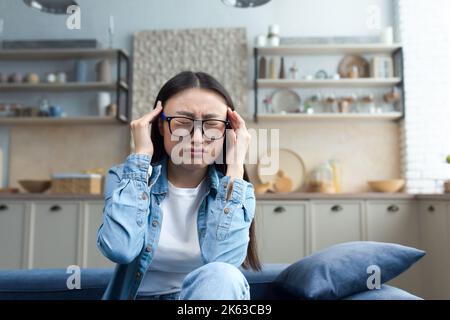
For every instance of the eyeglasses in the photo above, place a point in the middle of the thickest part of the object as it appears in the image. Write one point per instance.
(212, 129)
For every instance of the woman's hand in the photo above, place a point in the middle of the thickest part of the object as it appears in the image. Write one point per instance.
(238, 141)
(140, 130)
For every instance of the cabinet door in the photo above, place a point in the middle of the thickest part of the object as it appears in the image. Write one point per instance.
(397, 222)
(281, 235)
(55, 241)
(335, 222)
(93, 220)
(434, 240)
(12, 226)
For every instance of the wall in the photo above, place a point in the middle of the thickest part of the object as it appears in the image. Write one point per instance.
(295, 17)
(425, 137)
(368, 150)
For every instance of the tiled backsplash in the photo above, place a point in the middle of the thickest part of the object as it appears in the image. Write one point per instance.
(367, 150)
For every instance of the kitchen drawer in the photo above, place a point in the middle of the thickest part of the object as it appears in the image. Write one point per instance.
(281, 231)
(335, 222)
(93, 258)
(55, 229)
(12, 230)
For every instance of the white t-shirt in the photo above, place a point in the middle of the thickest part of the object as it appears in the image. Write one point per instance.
(178, 251)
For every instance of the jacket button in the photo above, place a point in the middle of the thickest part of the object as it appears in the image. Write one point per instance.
(226, 210)
(144, 196)
(138, 274)
(154, 223)
(148, 248)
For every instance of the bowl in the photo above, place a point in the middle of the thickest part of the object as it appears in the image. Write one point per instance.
(393, 185)
(35, 186)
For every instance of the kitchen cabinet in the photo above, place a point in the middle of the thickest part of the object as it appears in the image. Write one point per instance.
(434, 226)
(93, 217)
(54, 234)
(397, 221)
(281, 231)
(334, 222)
(12, 230)
(393, 221)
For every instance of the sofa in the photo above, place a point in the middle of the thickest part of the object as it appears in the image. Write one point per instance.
(51, 284)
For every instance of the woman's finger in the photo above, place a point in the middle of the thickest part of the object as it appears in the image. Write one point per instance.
(149, 117)
(235, 122)
(239, 119)
(232, 118)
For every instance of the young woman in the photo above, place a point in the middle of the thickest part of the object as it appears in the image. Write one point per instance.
(178, 215)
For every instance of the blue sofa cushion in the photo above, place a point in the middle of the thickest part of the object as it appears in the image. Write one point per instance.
(386, 292)
(341, 270)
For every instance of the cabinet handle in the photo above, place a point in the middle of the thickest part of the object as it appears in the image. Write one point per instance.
(393, 208)
(3, 207)
(279, 210)
(431, 208)
(336, 208)
(55, 208)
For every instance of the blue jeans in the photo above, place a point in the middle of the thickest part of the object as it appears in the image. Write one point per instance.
(212, 281)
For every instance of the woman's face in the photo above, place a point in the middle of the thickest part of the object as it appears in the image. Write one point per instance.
(194, 151)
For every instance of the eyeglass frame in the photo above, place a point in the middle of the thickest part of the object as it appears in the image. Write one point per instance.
(164, 117)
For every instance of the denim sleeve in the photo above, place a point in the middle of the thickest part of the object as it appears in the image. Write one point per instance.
(228, 223)
(120, 237)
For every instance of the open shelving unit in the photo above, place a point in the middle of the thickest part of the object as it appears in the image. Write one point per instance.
(121, 86)
(331, 116)
(330, 49)
(342, 83)
(51, 121)
(395, 50)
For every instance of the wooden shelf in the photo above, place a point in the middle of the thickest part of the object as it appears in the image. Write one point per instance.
(330, 48)
(391, 116)
(36, 121)
(59, 54)
(61, 87)
(361, 82)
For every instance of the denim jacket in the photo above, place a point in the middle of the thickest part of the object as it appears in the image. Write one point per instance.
(132, 218)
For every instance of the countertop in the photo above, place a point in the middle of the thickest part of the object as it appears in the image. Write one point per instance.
(266, 196)
(349, 196)
(49, 196)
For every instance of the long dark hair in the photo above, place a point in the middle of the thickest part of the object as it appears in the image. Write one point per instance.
(188, 80)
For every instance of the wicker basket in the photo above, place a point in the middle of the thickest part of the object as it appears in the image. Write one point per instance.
(77, 183)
